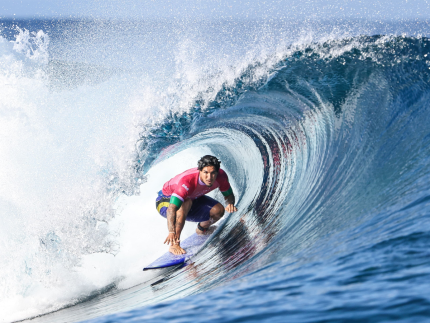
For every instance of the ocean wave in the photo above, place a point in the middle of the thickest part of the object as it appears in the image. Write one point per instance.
(322, 139)
(335, 140)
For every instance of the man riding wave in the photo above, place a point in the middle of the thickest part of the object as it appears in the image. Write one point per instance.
(183, 199)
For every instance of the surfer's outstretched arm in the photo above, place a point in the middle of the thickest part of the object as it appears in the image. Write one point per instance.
(230, 200)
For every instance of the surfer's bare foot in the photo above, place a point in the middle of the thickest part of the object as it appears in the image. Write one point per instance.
(208, 231)
(177, 250)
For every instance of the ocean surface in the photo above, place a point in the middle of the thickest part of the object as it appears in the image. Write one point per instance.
(322, 127)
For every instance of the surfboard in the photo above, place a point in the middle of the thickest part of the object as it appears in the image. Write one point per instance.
(192, 246)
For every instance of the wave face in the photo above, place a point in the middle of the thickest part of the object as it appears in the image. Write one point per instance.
(330, 163)
(326, 142)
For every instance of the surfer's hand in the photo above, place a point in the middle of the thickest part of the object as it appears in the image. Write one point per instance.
(230, 208)
(172, 239)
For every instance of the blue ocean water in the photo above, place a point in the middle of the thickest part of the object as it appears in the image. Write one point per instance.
(322, 128)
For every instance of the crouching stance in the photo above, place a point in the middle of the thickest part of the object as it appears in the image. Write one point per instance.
(183, 199)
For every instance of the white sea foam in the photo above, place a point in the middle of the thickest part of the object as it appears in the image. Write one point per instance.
(56, 148)
(60, 240)
(68, 130)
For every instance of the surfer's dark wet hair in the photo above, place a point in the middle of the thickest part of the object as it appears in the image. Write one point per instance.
(209, 160)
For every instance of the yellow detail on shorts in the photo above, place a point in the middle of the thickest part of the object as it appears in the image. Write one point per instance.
(162, 204)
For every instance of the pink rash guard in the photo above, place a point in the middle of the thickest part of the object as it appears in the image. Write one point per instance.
(189, 185)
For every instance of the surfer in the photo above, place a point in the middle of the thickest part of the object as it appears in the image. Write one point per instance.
(183, 199)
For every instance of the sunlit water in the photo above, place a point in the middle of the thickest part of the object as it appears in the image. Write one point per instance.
(322, 128)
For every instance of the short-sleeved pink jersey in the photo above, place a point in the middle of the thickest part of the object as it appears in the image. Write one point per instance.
(189, 185)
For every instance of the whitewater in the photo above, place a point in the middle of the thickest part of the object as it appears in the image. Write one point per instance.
(322, 127)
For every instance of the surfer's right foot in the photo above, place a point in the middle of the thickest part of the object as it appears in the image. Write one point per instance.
(203, 231)
(177, 250)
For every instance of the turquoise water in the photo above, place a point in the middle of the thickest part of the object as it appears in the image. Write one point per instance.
(323, 129)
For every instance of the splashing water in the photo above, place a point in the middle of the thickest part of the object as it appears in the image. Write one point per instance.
(323, 135)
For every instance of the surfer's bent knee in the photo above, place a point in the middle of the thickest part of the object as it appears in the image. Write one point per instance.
(217, 211)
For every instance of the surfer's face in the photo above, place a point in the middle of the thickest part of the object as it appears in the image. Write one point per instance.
(208, 175)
